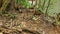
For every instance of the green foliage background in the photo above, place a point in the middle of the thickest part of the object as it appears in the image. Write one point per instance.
(54, 6)
(22, 2)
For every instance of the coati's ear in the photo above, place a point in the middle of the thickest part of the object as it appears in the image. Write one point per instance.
(1, 1)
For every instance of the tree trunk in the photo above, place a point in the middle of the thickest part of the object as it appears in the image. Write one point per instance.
(1, 3)
(4, 5)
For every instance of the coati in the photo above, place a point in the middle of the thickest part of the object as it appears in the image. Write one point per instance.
(1, 1)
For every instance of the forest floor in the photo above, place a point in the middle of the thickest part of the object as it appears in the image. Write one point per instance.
(26, 22)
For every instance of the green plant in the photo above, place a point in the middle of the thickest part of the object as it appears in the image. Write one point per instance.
(22, 2)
